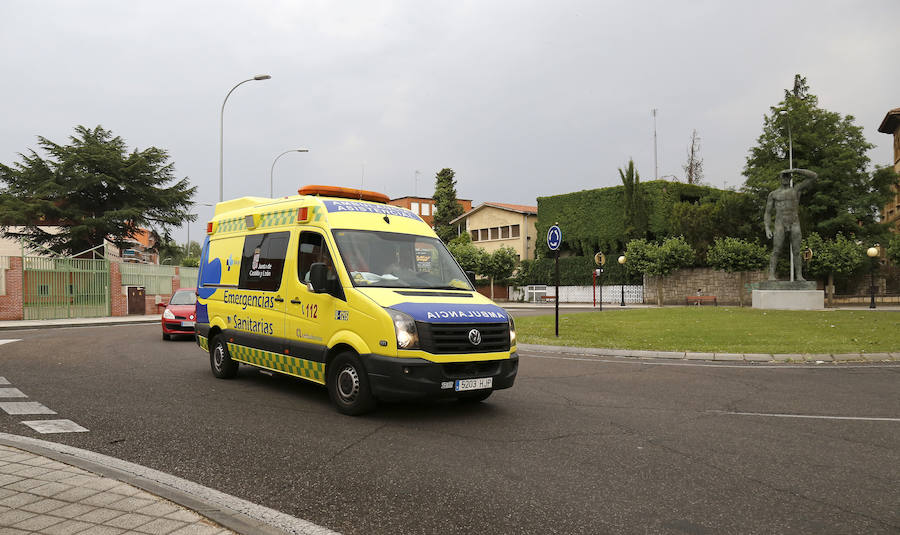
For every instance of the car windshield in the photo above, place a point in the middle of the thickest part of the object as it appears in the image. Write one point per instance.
(393, 260)
(183, 297)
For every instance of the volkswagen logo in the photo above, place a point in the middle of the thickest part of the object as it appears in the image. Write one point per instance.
(475, 337)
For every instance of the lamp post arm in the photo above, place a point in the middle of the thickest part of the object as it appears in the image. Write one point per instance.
(272, 174)
(222, 136)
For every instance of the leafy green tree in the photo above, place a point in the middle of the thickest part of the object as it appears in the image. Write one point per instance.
(499, 265)
(635, 206)
(893, 249)
(734, 255)
(837, 258)
(446, 207)
(190, 261)
(658, 260)
(846, 196)
(469, 257)
(94, 189)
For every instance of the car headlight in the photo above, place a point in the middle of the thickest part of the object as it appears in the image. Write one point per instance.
(168, 314)
(512, 331)
(405, 329)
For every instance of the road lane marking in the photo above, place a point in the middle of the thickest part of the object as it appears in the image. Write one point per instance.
(10, 340)
(11, 393)
(25, 407)
(748, 366)
(3, 381)
(55, 426)
(808, 416)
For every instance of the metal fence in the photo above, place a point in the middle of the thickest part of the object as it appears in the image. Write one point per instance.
(156, 280)
(56, 288)
(630, 294)
(188, 276)
(864, 300)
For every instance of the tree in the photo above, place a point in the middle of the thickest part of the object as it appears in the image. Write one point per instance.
(447, 208)
(658, 260)
(846, 197)
(93, 189)
(693, 168)
(499, 265)
(634, 207)
(893, 249)
(469, 257)
(838, 258)
(734, 255)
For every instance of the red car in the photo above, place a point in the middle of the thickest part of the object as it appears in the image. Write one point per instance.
(180, 314)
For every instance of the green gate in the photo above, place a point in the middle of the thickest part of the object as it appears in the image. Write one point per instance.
(56, 288)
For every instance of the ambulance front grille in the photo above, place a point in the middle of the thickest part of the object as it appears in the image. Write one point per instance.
(443, 338)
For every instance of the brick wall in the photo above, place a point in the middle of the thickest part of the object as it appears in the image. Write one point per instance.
(685, 282)
(118, 300)
(11, 303)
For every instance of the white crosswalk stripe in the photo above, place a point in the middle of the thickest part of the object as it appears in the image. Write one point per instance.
(55, 426)
(10, 340)
(25, 407)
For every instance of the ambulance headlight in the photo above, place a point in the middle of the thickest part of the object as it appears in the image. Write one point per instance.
(512, 331)
(168, 314)
(405, 328)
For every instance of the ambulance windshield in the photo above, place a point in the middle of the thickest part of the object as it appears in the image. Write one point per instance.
(392, 260)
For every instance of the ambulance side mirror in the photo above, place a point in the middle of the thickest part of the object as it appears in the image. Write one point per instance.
(471, 275)
(318, 277)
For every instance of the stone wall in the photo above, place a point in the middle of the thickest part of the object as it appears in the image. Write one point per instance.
(685, 282)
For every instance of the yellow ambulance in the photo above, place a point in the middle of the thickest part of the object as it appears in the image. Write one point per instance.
(338, 287)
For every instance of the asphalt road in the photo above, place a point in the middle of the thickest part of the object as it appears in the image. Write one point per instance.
(578, 445)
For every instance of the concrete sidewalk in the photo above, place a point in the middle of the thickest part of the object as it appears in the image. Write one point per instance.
(53, 489)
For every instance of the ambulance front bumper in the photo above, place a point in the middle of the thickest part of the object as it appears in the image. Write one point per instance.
(404, 378)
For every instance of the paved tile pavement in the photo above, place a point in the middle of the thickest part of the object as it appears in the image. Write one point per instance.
(39, 495)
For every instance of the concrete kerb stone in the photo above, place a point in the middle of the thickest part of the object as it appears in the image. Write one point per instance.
(819, 357)
(877, 357)
(729, 356)
(757, 357)
(846, 357)
(699, 356)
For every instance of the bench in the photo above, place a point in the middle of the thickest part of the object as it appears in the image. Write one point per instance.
(701, 299)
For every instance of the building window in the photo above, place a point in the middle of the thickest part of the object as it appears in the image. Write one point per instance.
(504, 233)
(484, 234)
(474, 235)
(495, 233)
(426, 209)
(515, 231)
(414, 206)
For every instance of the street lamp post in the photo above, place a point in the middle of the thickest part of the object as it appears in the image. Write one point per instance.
(272, 170)
(222, 128)
(872, 252)
(622, 262)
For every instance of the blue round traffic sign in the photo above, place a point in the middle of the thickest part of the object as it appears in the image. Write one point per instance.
(554, 238)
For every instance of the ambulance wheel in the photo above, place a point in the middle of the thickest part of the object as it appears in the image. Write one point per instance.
(220, 361)
(475, 397)
(348, 385)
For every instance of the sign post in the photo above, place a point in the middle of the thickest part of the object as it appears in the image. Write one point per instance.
(554, 239)
(600, 260)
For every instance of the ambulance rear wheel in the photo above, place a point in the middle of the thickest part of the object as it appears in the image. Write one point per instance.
(220, 360)
(348, 385)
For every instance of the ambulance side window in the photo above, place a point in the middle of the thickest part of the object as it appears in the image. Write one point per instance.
(262, 261)
(313, 249)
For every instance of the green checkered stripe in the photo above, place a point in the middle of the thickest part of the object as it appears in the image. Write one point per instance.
(203, 342)
(279, 218)
(234, 224)
(307, 369)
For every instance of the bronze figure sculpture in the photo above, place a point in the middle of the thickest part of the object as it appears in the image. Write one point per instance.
(786, 201)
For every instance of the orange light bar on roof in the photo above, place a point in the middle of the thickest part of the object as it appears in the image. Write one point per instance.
(344, 193)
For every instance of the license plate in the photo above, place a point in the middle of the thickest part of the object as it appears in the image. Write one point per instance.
(187, 323)
(474, 384)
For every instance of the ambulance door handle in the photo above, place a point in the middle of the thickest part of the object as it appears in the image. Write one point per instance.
(279, 300)
(296, 301)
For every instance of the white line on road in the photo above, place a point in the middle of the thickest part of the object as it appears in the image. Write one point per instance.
(10, 340)
(810, 416)
(11, 393)
(55, 426)
(747, 366)
(25, 407)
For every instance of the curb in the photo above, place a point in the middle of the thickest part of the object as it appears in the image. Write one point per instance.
(26, 325)
(236, 514)
(717, 357)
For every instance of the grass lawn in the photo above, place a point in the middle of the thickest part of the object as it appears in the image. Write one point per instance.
(720, 329)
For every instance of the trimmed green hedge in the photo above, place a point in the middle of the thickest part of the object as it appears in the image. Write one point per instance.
(573, 271)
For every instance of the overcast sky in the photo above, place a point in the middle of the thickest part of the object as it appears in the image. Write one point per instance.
(522, 99)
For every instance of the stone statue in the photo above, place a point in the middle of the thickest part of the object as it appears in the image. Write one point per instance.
(786, 201)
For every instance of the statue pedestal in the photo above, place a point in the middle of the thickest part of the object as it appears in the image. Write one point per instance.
(788, 295)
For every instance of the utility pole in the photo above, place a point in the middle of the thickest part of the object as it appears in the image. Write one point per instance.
(655, 165)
